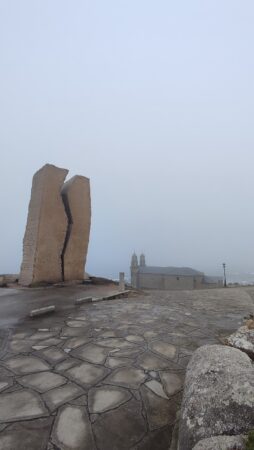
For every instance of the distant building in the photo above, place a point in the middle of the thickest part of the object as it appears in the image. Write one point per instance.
(151, 277)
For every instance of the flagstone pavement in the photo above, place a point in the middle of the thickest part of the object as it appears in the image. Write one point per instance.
(104, 375)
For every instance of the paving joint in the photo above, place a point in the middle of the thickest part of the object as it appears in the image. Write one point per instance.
(151, 337)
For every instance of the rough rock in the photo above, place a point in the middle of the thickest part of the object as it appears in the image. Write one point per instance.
(221, 443)
(250, 323)
(218, 396)
(243, 339)
(46, 228)
(76, 197)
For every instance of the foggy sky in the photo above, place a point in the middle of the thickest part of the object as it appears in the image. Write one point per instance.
(154, 102)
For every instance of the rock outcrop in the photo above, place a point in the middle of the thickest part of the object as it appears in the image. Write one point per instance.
(46, 228)
(243, 339)
(221, 443)
(218, 395)
(77, 201)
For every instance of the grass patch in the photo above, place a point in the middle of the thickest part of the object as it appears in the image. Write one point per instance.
(249, 445)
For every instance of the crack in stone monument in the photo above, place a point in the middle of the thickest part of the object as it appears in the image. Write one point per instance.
(69, 227)
(58, 226)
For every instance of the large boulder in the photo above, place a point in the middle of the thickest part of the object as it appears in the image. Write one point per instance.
(218, 395)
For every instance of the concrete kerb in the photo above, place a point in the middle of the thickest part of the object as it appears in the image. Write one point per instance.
(80, 301)
(42, 311)
(114, 296)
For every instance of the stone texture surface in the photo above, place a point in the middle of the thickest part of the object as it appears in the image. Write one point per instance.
(120, 429)
(60, 395)
(43, 381)
(164, 349)
(218, 396)
(73, 418)
(156, 440)
(75, 324)
(45, 230)
(77, 342)
(114, 342)
(113, 363)
(30, 435)
(157, 388)
(43, 335)
(140, 412)
(106, 398)
(76, 196)
(221, 443)
(67, 364)
(159, 410)
(53, 355)
(19, 405)
(135, 339)
(86, 374)
(149, 361)
(243, 339)
(26, 364)
(129, 377)
(171, 382)
(92, 353)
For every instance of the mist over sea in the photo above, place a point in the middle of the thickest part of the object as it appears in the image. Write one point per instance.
(240, 277)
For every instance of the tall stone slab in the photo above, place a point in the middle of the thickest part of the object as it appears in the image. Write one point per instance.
(77, 201)
(46, 228)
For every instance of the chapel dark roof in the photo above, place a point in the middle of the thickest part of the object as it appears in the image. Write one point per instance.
(177, 271)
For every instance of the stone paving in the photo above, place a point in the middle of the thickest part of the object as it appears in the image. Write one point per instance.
(108, 375)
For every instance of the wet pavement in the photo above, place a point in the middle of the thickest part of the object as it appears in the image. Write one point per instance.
(104, 375)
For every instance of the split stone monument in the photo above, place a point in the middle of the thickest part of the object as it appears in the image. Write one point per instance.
(58, 226)
(76, 198)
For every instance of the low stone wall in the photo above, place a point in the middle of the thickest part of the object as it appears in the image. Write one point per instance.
(8, 278)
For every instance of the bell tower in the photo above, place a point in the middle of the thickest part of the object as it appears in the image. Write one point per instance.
(142, 260)
(134, 270)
